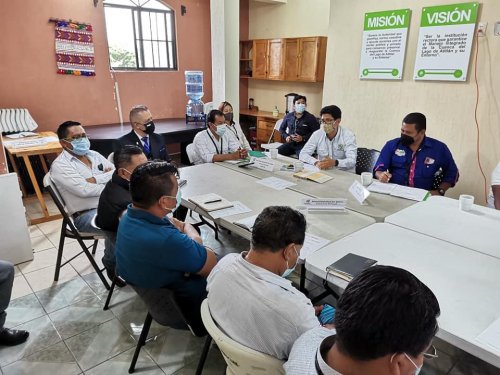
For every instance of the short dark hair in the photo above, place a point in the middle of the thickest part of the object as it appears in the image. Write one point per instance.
(416, 118)
(385, 310)
(62, 130)
(135, 110)
(298, 97)
(123, 156)
(212, 114)
(331, 110)
(276, 227)
(150, 181)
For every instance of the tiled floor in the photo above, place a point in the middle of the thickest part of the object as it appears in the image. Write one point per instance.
(71, 334)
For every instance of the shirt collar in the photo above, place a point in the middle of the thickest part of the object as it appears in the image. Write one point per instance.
(321, 353)
(266, 275)
(120, 181)
(145, 215)
(138, 136)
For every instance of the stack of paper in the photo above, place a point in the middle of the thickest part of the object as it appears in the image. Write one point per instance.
(401, 191)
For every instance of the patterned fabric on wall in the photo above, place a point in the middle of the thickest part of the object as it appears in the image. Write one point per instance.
(74, 49)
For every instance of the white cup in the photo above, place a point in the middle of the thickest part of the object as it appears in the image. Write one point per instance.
(303, 210)
(465, 202)
(274, 153)
(298, 166)
(366, 178)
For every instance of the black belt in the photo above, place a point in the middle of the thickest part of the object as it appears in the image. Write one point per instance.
(79, 213)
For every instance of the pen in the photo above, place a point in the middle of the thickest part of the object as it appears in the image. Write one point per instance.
(214, 201)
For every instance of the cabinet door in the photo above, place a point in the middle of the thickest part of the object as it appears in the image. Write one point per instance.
(260, 58)
(291, 59)
(308, 59)
(275, 59)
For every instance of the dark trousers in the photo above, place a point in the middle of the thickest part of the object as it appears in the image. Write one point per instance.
(288, 149)
(6, 282)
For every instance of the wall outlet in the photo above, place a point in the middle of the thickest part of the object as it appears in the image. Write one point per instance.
(481, 28)
(497, 28)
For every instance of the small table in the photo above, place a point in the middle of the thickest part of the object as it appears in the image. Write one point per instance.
(25, 153)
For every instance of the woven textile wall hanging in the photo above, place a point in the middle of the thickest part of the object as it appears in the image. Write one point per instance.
(74, 48)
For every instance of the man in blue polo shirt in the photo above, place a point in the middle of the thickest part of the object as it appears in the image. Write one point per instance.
(417, 160)
(154, 251)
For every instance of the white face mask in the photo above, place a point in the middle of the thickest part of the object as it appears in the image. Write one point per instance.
(220, 130)
(413, 363)
(288, 271)
(300, 108)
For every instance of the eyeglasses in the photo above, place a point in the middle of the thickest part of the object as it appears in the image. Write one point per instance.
(431, 353)
(76, 137)
(329, 122)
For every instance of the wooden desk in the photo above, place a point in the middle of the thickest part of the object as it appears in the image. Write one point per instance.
(25, 153)
(173, 131)
(265, 123)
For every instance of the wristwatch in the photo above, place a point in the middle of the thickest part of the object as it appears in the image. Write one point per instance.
(336, 163)
(441, 192)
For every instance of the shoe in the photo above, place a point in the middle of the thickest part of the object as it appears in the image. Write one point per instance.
(120, 283)
(11, 337)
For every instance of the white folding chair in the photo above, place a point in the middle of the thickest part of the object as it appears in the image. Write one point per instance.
(270, 145)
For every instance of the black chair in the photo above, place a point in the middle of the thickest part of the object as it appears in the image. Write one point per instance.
(366, 159)
(167, 310)
(438, 178)
(69, 230)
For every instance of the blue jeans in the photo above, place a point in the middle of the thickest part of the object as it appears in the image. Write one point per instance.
(84, 224)
(6, 282)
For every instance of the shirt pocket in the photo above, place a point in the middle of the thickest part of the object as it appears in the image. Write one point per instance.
(429, 170)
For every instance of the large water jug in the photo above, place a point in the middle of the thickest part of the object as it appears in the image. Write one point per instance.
(194, 84)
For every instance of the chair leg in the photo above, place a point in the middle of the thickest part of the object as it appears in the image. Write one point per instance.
(110, 293)
(141, 342)
(92, 261)
(94, 247)
(204, 355)
(60, 251)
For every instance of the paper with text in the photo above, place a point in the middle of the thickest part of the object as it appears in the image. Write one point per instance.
(359, 191)
(311, 244)
(275, 183)
(238, 208)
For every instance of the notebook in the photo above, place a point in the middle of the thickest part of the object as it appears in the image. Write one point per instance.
(349, 266)
(247, 222)
(313, 176)
(210, 202)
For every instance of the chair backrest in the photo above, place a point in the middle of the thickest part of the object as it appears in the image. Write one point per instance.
(277, 126)
(166, 310)
(56, 196)
(15, 120)
(110, 158)
(191, 153)
(366, 159)
(240, 359)
(207, 107)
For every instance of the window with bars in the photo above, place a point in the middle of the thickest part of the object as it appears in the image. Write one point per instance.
(141, 35)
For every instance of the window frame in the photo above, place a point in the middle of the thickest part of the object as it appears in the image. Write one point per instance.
(140, 41)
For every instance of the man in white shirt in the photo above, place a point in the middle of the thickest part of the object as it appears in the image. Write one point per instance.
(385, 322)
(334, 145)
(80, 175)
(216, 143)
(248, 294)
(494, 196)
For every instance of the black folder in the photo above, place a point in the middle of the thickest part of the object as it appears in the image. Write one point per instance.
(349, 266)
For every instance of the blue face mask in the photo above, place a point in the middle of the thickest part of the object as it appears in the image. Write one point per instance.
(221, 129)
(81, 146)
(288, 271)
(178, 200)
(300, 108)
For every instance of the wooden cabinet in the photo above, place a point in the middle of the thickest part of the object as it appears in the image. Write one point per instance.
(289, 59)
(264, 122)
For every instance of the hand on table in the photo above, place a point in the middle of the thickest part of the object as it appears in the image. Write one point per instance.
(384, 176)
(325, 163)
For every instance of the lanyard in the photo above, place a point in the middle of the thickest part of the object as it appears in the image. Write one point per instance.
(234, 131)
(221, 143)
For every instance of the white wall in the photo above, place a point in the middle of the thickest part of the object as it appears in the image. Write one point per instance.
(296, 18)
(374, 109)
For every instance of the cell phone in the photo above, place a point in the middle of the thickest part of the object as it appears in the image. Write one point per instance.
(327, 314)
(244, 165)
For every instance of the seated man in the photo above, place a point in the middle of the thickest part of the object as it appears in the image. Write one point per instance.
(80, 175)
(8, 337)
(115, 197)
(385, 322)
(416, 160)
(215, 143)
(334, 145)
(297, 127)
(494, 196)
(143, 135)
(153, 251)
(248, 295)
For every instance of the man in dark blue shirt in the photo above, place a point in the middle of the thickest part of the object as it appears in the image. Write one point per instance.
(417, 160)
(153, 251)
(297, 127)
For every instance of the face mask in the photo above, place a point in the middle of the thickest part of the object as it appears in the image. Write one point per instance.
(299, 108)
(288, 271)
(228, 116)
(149, 127)
(220, 130)
(406, 140)
(413, 363)
(129, 174)
(81, 146)
(178, 200)
(328, 128)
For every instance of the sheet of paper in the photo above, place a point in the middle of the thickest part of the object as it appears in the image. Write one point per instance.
(359, 191)
(311, 244)
(275, 183)
(381, 187)
(238, 208)
(491, 336)
(264, 164)
(410, 193)
(311, 168)
(247, 222)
